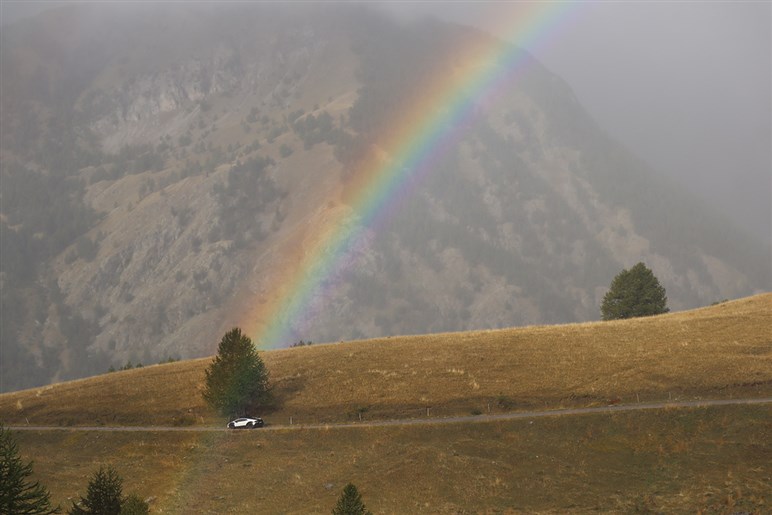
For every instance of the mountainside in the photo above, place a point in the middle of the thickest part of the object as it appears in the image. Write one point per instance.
(163, 165)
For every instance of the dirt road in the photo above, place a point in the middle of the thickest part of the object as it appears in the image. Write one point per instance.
(469, 419)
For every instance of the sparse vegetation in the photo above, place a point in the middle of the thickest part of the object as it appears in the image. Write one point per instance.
(285, 150)
(133, 505)
(313, 129)
(128, 366)
(248, 194)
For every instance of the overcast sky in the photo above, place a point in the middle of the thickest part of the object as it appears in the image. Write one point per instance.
(685, 85)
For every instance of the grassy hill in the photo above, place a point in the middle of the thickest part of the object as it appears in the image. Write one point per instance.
(674, 460)
(715, 352)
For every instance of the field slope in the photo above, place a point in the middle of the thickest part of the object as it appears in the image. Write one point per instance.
(719, 351)
(714, 460)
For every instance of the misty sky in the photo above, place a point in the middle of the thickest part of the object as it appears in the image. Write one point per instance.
(686, 85)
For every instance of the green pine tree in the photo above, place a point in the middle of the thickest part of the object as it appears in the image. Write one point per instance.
(237, 378)
(634, 293)
(19, 495)
(350, 502)
(104, 495)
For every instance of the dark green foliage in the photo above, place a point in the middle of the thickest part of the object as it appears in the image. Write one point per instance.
(634, 293)
(350, 502)
(248, 194)
(134, 159)
(134, 506)
(252, 116)
(237, 379)
(186, 139)
(285, 150)
(86, 248)
(43, 213)
(104, 495)
(316, 129)
(275, 132)
(18, 495)
(129, 365)
(48, 204)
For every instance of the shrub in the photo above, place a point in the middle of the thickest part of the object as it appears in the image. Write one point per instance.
(285, 150)
(134, 506)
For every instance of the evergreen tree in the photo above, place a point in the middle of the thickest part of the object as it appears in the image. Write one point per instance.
(18, 495)
(634, 293)
(237, 378)
(350, 502)
(104, 496)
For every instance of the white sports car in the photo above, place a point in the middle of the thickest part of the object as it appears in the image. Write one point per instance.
(245, 423)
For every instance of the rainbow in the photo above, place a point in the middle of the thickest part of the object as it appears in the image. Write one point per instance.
(420, 134)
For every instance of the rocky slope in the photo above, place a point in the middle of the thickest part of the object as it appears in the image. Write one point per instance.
(199, 148)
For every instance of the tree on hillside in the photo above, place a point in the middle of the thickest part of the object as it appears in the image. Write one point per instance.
(634, 293)
(237, 378)
(350, 502)
(18, 494)
(104, 495)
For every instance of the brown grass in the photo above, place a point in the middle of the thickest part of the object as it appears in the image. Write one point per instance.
(709, 460)
(674, 461)
(718, 351)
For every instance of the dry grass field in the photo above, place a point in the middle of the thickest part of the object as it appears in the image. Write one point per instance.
(714, 352)
(675, 461)
(701, 460)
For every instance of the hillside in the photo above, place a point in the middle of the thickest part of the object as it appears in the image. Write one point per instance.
(673, 460)
(713, 352)
(167, 169)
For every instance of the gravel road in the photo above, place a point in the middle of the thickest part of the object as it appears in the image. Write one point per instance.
(425, 421)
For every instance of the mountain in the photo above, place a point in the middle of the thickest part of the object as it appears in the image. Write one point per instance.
(163, 167)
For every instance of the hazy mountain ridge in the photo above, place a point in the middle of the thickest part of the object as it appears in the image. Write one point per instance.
(526, 221)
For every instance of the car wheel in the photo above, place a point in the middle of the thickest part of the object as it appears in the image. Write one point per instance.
(230, 426)
(250, 425)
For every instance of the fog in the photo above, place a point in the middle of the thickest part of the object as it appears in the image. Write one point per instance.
(684, 85)
(687, 86)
